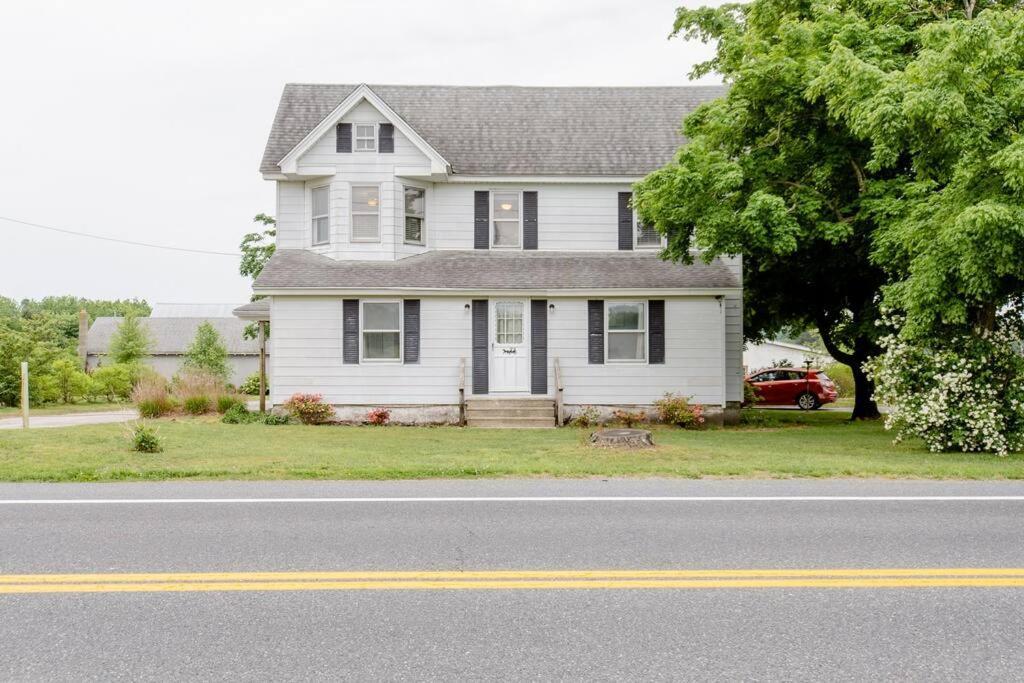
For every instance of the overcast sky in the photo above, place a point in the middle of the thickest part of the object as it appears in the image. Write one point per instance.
(146, 121)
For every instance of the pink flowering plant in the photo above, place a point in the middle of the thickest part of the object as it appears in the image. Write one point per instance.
(964, 392)
(677, 410)
(310, 409)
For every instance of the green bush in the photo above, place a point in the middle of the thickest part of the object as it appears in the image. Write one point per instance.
(197, 405)
(144, 439)
(226, 402)
(238, 414)
(251, 385)
(114, 382)
(69, 382)
(842, 375)
(274, 419)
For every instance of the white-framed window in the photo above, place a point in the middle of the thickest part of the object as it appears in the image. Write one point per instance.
(365, 136)
(415, 214)
(381, 333)
(625, 331)
(321, 205)
(645, 236)
(506, 220)
(366, 213)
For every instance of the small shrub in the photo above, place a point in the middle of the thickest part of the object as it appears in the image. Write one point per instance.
(378, 416)
(239, 414)
(677, 410)
(750, 395)
(251, 385)
(274, 419)
(587, 417)
(198, 405)
(144, 439)
(630, 419)
(156, 407)
(227, 402)
(309, 409)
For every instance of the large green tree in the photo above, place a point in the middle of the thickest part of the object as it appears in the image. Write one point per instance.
(208, 352)
(130, 342)
(768, 173)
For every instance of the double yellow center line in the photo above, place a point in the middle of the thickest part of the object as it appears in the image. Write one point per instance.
(512, 580)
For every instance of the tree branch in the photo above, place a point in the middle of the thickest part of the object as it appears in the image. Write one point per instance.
(969, 8)
(860, 175)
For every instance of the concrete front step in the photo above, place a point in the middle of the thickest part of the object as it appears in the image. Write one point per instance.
(473, 412)
(510, 403)
(512, 422)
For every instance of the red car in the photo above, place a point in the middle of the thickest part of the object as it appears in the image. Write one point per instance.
(807, 389)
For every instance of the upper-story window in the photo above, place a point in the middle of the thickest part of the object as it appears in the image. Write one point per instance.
(415, 214)
(626, 331)
(366, 137)
(645, 236)
(321, 215)
(506, 220)
(365, 213)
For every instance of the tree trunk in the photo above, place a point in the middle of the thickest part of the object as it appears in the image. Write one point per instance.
(864, 407)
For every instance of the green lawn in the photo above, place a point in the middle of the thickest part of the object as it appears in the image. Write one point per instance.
(785, 444)
(65, 409)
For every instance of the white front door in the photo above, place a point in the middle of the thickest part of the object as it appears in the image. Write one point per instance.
(510, 345)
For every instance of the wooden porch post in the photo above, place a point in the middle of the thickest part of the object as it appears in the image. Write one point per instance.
(263, 366)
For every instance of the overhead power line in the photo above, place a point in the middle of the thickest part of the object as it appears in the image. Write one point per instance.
(118, 240)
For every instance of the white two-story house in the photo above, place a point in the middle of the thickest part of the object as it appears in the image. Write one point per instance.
(436, 244)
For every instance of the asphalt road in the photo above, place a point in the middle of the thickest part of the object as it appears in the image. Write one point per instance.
(290, 626)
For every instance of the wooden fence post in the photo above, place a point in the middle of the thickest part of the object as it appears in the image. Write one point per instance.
(24, 395)
(263, 366)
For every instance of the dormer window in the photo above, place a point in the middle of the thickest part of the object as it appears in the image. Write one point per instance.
(366, 137)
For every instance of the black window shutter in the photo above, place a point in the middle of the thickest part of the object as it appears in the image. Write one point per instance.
(386, 138)
(481, 219)
(350, 331)
(480, 346)
(625, 221)
(656, 331)
(538, 346)
(343, 138)
(595, 331)
(530, 220)
(411, 326)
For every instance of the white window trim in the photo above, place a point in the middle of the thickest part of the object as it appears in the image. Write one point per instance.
(423, 218)
(363, 330)
(607, 321)
(313, 217)
(636, 236)
(352, 212)
(356, 138)
(490, 200)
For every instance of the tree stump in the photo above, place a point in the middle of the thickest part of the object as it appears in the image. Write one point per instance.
(622, 438)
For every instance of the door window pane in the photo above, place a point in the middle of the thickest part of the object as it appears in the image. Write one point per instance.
(508, 320)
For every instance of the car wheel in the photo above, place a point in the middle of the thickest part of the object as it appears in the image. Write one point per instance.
(807, 401)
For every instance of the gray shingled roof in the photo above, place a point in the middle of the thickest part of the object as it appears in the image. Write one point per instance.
(509, 130)
(172, 336)
(472, 270)
(254, 310)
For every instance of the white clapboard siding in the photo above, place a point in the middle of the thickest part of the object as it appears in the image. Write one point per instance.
(693, 357)
(308, 356)
(734, 333)
(292, 230)
(570, 217)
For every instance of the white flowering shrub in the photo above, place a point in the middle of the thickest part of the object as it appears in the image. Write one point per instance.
(962, 393)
